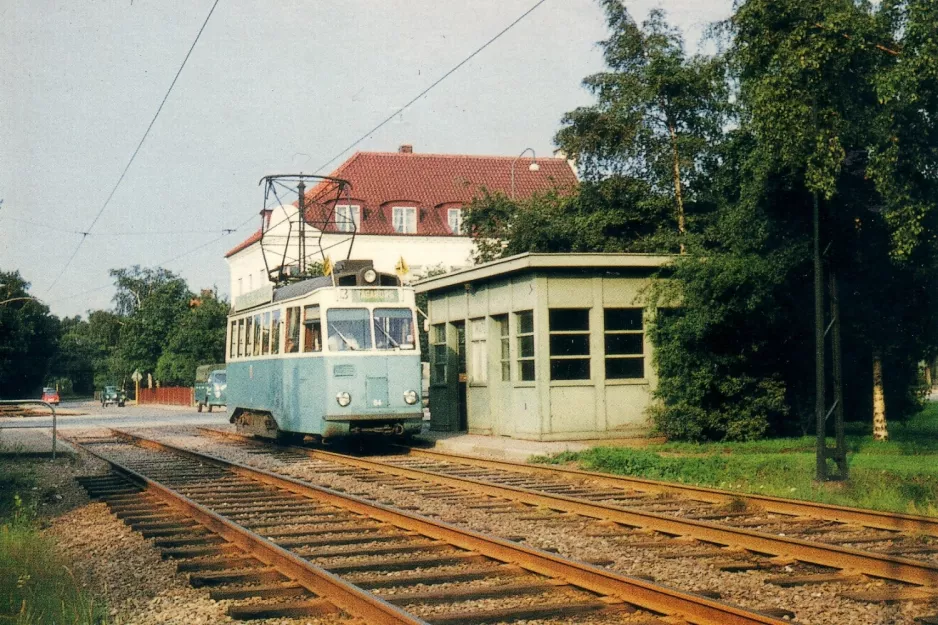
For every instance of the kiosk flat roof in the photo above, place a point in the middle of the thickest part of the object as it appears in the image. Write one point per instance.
(534, 261)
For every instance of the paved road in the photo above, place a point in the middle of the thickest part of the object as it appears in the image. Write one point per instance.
(112, 416)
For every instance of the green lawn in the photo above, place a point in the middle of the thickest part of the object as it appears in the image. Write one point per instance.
(900, 475)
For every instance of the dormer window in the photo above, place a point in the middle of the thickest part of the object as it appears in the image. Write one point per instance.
(404, 219)
(348, 218)
(454, 219)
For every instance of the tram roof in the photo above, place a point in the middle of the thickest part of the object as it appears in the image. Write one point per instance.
(297, 289)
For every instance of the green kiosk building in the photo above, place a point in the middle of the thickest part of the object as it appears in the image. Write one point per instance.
(543, 346)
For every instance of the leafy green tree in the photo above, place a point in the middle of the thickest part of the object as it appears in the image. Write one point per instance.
(28, 338)
(151, 303)
(658, 111)
(198, 339)
(614, 214)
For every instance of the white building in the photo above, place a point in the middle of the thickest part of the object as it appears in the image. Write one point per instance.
(400, 205)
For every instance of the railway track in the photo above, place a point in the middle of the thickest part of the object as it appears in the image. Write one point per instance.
(706, 522)
(287, 548)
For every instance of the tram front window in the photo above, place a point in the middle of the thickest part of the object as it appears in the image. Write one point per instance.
(394, 328)
(348, 329)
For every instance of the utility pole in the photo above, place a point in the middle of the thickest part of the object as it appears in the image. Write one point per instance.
(301, 205)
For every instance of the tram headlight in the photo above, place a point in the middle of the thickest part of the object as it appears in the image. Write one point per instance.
(370, 275)
(411, 397)
(343, 399)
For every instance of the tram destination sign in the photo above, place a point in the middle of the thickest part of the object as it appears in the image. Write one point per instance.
(370, 296)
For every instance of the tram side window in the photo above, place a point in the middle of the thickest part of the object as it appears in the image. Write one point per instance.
(349, 329)
(394, 328)
(293, 330)
(312, 329)
(265, 334)
(232, 339)
(275, 332)
(257, 335)
(240, 337)
(248, 337)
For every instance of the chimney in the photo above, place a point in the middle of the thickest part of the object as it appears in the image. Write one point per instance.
(406, 149)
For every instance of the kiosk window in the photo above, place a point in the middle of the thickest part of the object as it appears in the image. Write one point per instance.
(478, 352)
(624, 340)
(569, 343)
(438, 352)
(524, 322)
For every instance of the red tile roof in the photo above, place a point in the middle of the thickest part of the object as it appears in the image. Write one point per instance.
(429, 182)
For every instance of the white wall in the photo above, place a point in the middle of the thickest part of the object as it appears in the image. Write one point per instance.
(419, 252)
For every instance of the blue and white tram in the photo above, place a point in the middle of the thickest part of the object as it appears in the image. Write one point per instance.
(326, 357)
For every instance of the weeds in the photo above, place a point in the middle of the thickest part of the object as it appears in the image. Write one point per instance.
(36, 588)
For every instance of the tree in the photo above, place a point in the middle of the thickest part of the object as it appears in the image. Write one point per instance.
(198, 339)
(28, 338)
(658, 111)
(151, 302)
(614, 214)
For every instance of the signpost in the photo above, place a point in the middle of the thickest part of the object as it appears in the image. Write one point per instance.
(136, 376)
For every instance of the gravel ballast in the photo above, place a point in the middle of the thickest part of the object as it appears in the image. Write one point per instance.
(582, 539)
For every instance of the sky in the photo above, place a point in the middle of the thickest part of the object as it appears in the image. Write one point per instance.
(270, 87)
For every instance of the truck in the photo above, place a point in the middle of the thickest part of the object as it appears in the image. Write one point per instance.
(211, 386)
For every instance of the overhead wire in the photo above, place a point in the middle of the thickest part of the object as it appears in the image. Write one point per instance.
(227, 232)
(434, 84)
(136, 151)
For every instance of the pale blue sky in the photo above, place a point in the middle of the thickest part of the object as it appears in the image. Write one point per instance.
(271, 87)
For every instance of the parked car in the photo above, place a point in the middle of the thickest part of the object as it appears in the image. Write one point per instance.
(50, 395)
(113, 395)
(211, 387)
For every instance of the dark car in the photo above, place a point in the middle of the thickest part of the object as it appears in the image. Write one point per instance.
(50, 395)
(113, 395)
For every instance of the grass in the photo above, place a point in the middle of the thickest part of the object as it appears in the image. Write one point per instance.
(900, 475)
(36, 587)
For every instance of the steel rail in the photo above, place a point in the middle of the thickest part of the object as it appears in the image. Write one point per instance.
(853, 560)
(319, 581)
(860, 516)
(647, 595)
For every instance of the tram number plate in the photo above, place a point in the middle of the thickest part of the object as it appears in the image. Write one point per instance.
(377, 403)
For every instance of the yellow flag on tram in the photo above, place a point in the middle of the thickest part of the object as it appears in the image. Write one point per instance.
(327, 266)
(401, 267)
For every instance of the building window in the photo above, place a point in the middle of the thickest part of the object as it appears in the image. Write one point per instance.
(250, 282)
(292, 342)
(624, 340)
(404, 219)
(454, 219)
(240, 288)
(438, 353)
(569, 343)
(348, 218)
(312, 329)
(233, 339)
(524, 331)
(265, 334)
(504, 346)
(257, 335)
(478, 354)
(248, 337)
(275, 332)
